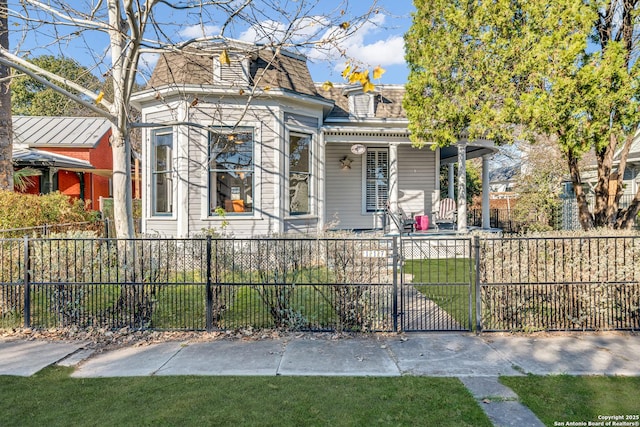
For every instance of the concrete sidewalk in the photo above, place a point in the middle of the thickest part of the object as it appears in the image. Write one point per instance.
(448, 355)
(445, 354)
(477, 360)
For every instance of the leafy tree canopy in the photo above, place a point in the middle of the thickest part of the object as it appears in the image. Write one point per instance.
(473, 181)
(504, 69)
(31, 98)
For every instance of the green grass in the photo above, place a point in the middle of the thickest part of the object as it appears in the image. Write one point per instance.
(179, 301)
(52, 398)
(563, 398)
(446, 282)
(182, 305)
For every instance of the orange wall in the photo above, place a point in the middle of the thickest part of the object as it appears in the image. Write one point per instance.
(101, 156)
(69, 183)
(95, 186)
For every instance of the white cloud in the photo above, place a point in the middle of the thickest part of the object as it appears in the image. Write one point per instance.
(381, 52)
(148, 62)
(266, 31)
(198, 31)
(369, 46)
(301, 31)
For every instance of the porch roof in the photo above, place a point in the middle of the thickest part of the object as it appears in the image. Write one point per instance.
(31, 157)
(474, 149)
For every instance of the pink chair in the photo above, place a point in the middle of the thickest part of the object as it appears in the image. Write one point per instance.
(422, 222)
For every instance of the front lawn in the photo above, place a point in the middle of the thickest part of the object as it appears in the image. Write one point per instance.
(586, 399)
(52, 398)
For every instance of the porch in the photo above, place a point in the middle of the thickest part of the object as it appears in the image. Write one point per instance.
(379, 180)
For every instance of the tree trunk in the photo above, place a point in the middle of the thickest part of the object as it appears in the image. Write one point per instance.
(6, 127)
(584, 216)
(605, 209)
(122, 200)
(627, 217)
(120, 144)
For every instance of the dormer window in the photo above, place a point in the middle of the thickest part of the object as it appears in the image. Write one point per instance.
(361, 105)
(234, 74)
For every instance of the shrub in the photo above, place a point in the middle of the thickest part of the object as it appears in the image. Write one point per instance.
(354, 287)
(276, 264)
(19, 210)
(571, 280)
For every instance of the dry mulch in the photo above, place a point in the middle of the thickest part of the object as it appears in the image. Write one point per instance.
(103, 339)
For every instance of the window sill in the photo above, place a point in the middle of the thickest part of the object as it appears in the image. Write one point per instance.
(300, 217)
(162, 217)
(233, 217)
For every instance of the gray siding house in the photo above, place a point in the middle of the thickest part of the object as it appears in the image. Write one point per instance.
(254, 147)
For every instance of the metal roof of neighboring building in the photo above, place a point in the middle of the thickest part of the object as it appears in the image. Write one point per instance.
(38, 131)
(505, 173)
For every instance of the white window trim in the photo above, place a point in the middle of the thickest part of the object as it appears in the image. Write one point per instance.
(205, 214)
(300, 131)
(152, 209)
(364, 178)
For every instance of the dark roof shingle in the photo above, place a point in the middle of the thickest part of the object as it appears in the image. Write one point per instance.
(387, 101)
(195, 67)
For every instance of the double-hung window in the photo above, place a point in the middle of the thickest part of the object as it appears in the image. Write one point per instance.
(376, 179)
(299, 174)
(231, 167)
(161, 171)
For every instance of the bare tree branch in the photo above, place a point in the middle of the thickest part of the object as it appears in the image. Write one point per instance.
(35, 71)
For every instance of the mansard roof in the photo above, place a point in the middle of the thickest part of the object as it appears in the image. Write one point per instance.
(194, 66)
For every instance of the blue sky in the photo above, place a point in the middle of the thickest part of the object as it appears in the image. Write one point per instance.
(378, 42)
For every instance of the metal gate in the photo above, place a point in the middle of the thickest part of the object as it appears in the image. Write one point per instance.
(436, 289)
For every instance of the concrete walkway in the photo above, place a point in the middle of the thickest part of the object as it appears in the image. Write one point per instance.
(477, 360)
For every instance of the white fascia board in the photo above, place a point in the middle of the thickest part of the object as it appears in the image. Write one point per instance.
(366, 121)
(214, 91)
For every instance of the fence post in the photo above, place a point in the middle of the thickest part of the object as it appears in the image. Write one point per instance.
(476, 244)
(27, 287)
(395, 283)
(209, 290)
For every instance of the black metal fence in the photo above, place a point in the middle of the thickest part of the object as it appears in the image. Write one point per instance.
(355, 284)
(510, 223)
(564, 283)
(197, 284)
(437, 285)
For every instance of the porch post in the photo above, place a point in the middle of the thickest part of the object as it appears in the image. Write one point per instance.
(462, 187)
(320, 180)
(486, 223)
(393, 184)
(451, 183)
